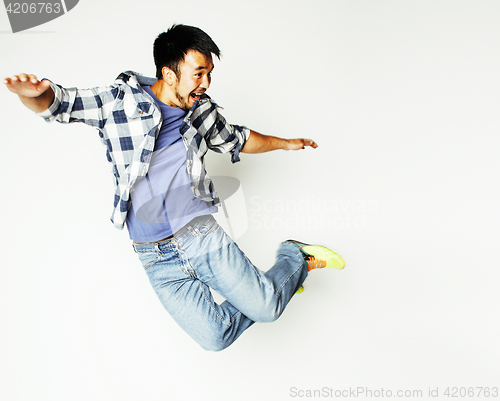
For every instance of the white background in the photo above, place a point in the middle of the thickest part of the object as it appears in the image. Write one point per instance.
(403, 99)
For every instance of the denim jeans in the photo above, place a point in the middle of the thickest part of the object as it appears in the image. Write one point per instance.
(202, 256)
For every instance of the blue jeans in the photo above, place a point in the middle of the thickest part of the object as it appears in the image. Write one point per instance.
(202, 256)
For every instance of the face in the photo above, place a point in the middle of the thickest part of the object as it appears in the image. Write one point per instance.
(194, 80)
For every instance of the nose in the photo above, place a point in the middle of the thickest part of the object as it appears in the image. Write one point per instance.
(205, 83)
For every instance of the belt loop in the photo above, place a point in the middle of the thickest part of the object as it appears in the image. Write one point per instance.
(157, 248)
(191, 229)
(133, 246)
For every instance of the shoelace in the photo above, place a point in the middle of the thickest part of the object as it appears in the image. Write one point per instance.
(313, 263)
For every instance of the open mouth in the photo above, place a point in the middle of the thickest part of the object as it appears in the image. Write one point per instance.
(196, 96)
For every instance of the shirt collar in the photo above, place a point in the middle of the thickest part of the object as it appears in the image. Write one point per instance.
(142, 80)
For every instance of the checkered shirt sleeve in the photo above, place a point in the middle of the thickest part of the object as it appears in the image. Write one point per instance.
(205, 121)
(205, 128)
(127, 124)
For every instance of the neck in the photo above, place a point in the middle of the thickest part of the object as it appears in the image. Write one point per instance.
(161, 91)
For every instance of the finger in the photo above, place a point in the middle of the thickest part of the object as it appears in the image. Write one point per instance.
(43, 85)
(11, 80)
(15, 78)
(32, 78)
(311, 143)
(23, 77)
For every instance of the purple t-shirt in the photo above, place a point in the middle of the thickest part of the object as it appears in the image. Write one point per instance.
(163, 202)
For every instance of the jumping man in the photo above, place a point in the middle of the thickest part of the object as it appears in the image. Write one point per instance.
(156, 132)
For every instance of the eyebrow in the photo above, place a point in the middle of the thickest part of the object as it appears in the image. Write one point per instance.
(201, 67)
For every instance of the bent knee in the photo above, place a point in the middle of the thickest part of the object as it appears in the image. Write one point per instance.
(214, 345)
(265, 316)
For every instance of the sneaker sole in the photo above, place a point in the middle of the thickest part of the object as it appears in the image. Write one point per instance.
(333, 260)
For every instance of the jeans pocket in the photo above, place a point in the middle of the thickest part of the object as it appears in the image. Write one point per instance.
(148, 259)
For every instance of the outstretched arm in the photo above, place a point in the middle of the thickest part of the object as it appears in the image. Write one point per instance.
(259, 143)
(35, 95)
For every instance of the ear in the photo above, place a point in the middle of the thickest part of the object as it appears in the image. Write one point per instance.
(168, 76)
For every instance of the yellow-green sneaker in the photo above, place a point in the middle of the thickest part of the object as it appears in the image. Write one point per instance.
(319, 257)
(300, 290)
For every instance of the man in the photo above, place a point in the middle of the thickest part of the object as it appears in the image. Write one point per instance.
(157, 131)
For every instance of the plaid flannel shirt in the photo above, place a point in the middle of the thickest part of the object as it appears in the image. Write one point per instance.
(128, 121)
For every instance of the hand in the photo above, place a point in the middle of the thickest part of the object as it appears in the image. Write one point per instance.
(35, 95)
(296, 144)
(26, 85)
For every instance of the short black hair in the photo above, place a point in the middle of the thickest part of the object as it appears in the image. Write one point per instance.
(170, 47)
